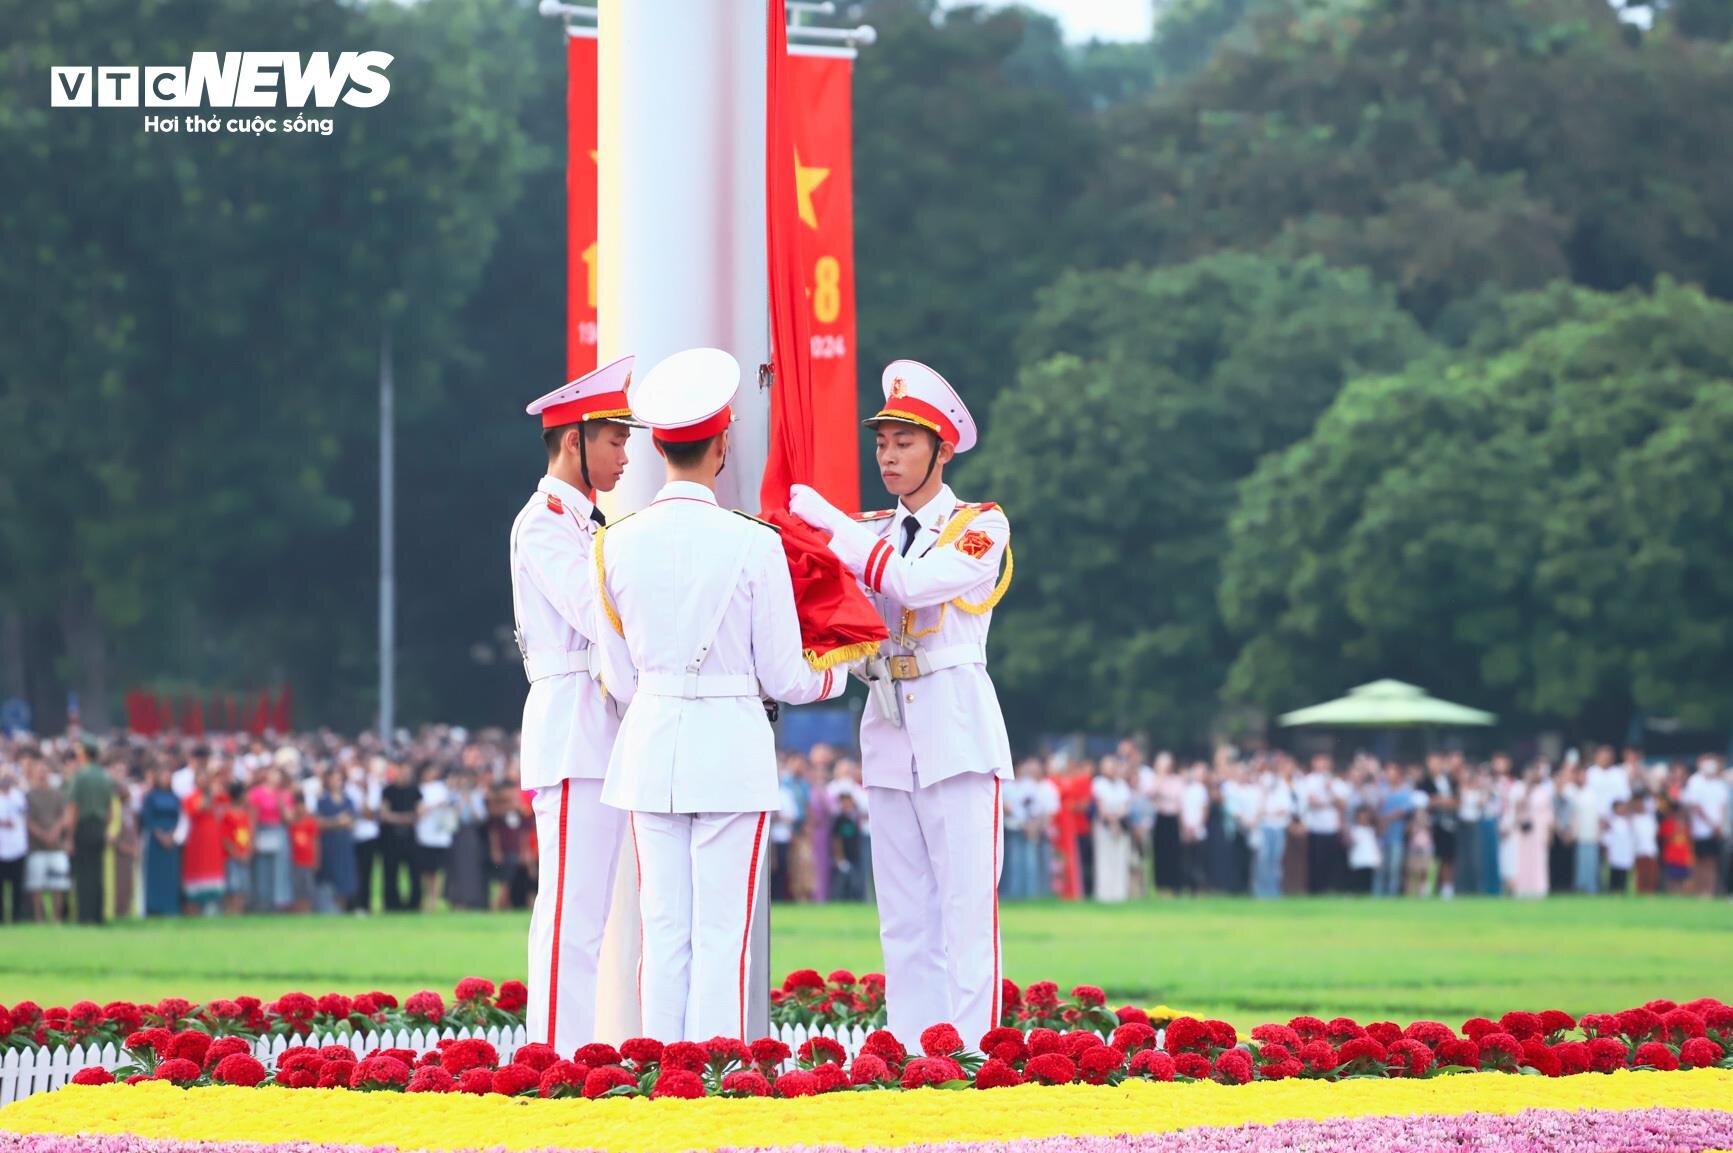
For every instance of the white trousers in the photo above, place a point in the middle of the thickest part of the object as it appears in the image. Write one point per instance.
(698, 878)
(578, 847)
(936, 854)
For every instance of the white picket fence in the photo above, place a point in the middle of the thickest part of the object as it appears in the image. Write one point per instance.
(26, 1072)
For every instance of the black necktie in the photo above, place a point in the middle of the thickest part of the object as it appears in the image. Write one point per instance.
(596, 515)
(911, 526)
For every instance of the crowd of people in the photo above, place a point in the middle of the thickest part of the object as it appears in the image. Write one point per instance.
(318, 823)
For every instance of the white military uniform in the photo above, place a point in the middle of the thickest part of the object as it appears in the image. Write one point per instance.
(697, 626)
(934, 750)
(568, 733)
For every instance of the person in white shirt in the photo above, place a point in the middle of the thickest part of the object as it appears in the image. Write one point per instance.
(1193, 826)
(1364, 854)
(1112, 793)
(1044, 805)
(364, 788)
(1323, 798)
(14, 844)
(1275, 812)
(435, 824)
(1017, 883)
(1646, 840)
(697, 628)
(1586, 826)
(1706, 802)
(1621, 846)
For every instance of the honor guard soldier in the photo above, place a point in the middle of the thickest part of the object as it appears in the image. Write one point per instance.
(933, 744)
(697, 631)
(569, 722)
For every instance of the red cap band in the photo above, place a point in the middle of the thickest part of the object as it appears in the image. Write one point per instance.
(605, 406)
(703, 430)
(907, 408)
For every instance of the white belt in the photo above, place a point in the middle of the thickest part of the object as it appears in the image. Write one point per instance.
(924, 662)
(542, 665)
(697, 686)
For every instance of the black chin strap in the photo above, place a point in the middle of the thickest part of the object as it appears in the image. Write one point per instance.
(932, 463)
(584, 460)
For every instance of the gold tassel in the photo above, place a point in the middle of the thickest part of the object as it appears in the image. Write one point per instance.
(840, 656)
(602, 584)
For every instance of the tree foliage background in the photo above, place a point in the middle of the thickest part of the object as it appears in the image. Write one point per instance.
(1313, 340)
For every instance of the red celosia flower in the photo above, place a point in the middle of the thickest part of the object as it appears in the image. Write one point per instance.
(174, 1010)
(996, 1074)
(1132, 1015)
(225, 1047)
(1573, 1057)
(1233, 1067)
(1133, 1037)
(513, 997)
(1080, 1041)
(607, 1077)
(93, 1075)
(1184, 1035)
(1386, 1033)
(873, 981)
(1600, 1025)
(821, 1049)
(1408, 1058)
(596, 1054)
(179, 1070)
(474, 989)
(830, 1077)
(869, 1070)
(1309, 1028)
(377, 1072)
(1606, 1054)
(1099, 1063)
(678, 1083)
(1654, 1055)
(1429, 1033)
(841, 977)
(1153, 1064)
(1362, 1049)
(1277, 1035)
(1458, 1051)
(1221, 1034)
(1640, 1024)
(368, 1006)
(1319, 1057)
(746, 1082)
(1343, 1029)
(1699, 1053)
(1050, 1069)
(1499, 1051)
(345, 1053)
(1522, 1026)
(923, 1071)
(426, 1006)
(123, 1015)
(999, 1035)
(884, 1045)
(798, 1083)
(1042, 995)
(431, 1079)
(1193, 1065)
(642, 1050)
(1538, 1055)
(461, 1055)
(1680, 1025)
(1089, 996)
(937, 1041)
(1010, 997)
(1477, 1027)
(687, 1055)
(516, 1079)
(1011, 1052)
(563, 1079)
(536, 1055)
(242, 1069)
(1554, 1022)
(802, 979)
(478, 1082)
(1046, 1041)
(770, 1051)
(190, 1044)
(335, 1005)
(1661, 1007)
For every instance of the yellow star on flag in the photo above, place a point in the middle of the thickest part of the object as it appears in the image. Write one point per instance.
(806, 181)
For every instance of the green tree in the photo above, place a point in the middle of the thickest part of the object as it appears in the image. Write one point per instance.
(1542, 525)
(1147, 395)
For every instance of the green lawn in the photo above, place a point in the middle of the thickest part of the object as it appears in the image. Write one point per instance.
(1230, 958)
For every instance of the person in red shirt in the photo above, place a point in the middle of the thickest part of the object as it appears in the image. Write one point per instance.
(202, 855)
(237, 826)
(303, 852)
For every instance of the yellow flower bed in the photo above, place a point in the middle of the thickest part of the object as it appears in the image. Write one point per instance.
(453, 1121)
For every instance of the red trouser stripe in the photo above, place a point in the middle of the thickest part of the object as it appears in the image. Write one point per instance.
(751, 903)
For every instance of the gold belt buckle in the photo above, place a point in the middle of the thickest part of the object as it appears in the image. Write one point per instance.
(905, 668)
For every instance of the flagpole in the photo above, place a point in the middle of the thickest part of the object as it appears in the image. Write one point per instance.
(387, 541)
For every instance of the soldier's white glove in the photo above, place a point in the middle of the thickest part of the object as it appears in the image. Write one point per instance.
(805, 503)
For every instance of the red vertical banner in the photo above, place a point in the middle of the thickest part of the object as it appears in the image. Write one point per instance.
(821, 99)
(581, 222)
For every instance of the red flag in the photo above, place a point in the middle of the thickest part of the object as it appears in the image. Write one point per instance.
(282, 717)
(148, 724)
(166, 715)
(132, 711)
(581, 226)
(193, 717)
(231, 714)
(837, 622)
(261, 715)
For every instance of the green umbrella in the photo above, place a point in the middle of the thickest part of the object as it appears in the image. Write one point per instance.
(1386, 704)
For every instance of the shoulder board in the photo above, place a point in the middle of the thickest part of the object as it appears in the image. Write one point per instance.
(755, 520)
(984, 506)
(556, 505)
(869, 516)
